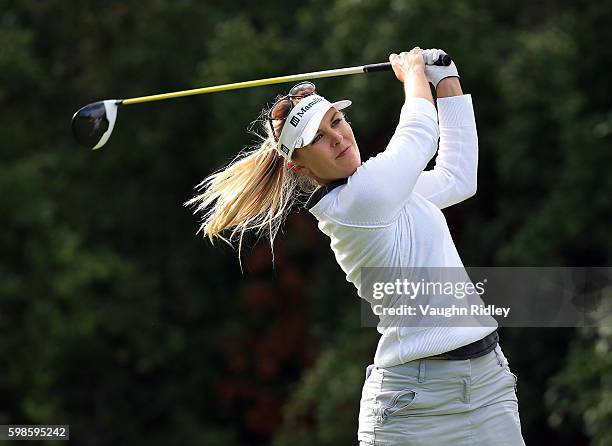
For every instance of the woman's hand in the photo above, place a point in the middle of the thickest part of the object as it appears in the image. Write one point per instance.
(407, 63)
(445, 79)
(409, 68)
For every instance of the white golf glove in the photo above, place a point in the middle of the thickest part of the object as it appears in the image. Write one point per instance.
(436, 73)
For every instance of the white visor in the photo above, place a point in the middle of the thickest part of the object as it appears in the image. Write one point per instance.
(303, 122)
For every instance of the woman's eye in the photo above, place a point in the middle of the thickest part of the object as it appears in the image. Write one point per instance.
(337, 121)
(317, 138)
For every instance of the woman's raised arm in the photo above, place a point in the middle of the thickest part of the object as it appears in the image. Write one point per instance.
(454, 177)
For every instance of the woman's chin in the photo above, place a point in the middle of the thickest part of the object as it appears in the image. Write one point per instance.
(352, 162)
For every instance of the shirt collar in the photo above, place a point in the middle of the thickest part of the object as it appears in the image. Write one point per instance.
(318, 194)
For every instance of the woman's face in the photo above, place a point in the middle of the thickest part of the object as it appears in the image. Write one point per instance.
(333, 153)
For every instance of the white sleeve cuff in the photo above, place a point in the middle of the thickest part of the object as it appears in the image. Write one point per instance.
(414, 106)
(456, 111)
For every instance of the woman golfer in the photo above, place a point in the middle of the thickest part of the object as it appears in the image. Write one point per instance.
(428, 385)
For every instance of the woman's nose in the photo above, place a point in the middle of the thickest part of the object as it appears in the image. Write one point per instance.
(337, 138)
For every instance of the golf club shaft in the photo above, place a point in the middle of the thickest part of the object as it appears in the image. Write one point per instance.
(385, 66)
(247, 84)
(93, 124)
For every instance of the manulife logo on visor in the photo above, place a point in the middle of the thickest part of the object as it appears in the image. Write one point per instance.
(295, 120)
(296, 126)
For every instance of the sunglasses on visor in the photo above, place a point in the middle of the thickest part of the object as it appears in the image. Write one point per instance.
(283, 106)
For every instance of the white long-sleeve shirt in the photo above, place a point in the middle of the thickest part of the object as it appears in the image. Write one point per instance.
(387, 214)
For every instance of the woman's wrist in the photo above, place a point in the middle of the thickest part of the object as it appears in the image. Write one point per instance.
(449, 87)
(416, 85)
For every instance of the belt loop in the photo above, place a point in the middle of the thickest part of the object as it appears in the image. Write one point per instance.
(421, 370)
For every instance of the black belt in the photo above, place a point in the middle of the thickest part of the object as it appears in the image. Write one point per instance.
(473, 350)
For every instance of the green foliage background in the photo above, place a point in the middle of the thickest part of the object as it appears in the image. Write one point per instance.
(118, 320)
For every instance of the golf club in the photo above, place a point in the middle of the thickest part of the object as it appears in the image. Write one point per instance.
(93, 124)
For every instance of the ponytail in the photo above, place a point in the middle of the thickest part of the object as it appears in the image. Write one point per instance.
(255, 191)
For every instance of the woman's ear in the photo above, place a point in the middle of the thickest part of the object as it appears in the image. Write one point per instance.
(291, 166)
(302, 170)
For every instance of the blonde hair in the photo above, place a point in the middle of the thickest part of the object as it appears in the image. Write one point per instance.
(255, 191)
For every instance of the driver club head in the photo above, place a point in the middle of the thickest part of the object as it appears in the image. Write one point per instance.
(93, 124)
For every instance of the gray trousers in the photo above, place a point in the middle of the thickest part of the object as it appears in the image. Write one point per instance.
(440, 402)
